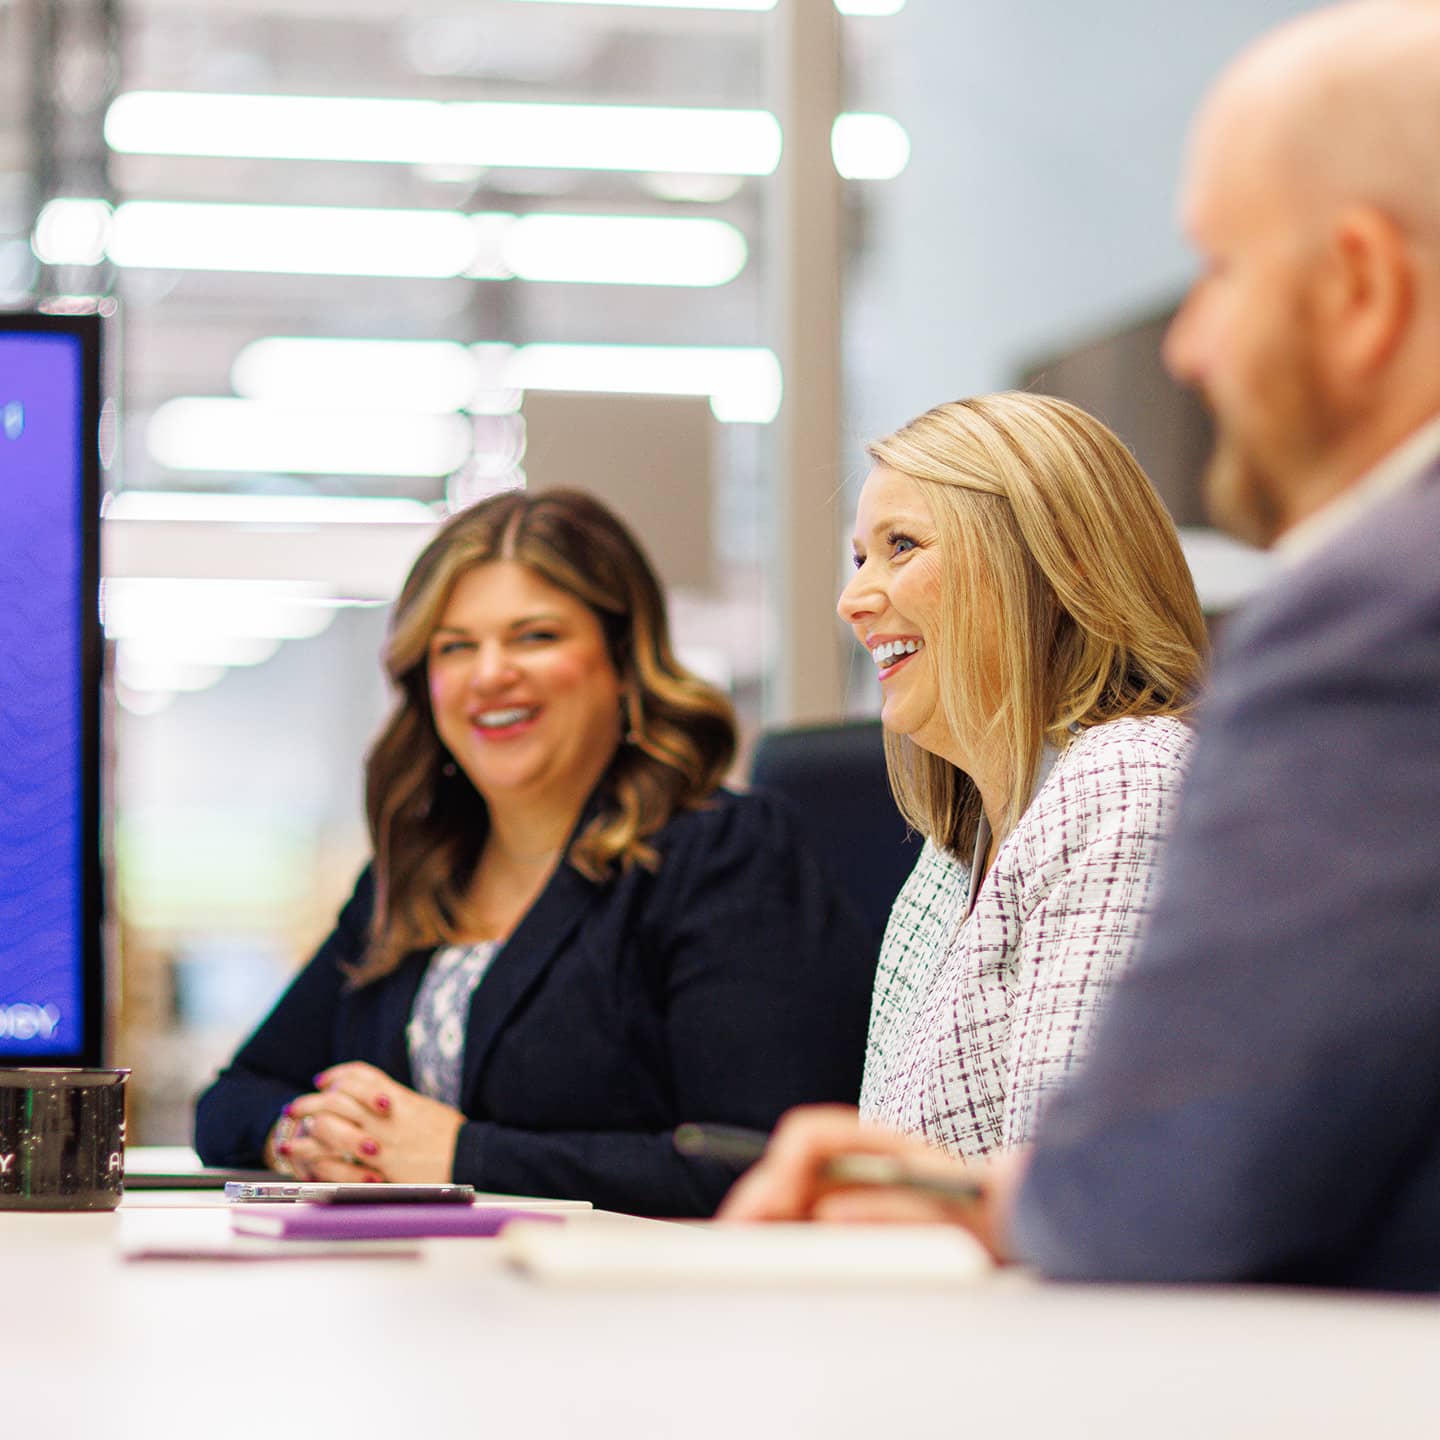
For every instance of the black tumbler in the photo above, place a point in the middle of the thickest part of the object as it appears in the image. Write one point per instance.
(62, 1139)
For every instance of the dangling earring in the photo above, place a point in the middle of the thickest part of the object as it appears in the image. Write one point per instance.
(627, 719)
(448, 769)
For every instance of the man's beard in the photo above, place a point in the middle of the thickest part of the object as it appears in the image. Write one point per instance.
(1240, 493)
(1256, 478)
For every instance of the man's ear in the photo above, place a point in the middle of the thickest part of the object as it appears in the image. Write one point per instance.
(1367, 295)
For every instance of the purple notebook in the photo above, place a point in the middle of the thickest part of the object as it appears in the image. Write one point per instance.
(376, 1222)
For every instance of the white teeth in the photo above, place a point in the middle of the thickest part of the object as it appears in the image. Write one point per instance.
(494, 719)
(892, 650)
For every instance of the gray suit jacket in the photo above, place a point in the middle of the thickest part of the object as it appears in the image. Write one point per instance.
(1263, 1099)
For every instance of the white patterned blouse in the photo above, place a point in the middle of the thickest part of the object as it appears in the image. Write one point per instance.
(438, 1019)
(985, 997)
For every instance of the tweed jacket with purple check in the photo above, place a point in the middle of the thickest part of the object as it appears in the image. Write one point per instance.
(979, 1017)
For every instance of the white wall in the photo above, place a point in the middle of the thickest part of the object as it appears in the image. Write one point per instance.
(1038, 206)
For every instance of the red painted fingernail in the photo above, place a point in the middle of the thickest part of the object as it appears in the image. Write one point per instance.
(369, 1147)
(288, 1110)
(284, 1147)
(382, 1102)
(319, 1080)
(371, 1179)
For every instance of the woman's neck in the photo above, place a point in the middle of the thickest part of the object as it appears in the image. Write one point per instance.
(531, 825)
(987, 769)
(530, 833)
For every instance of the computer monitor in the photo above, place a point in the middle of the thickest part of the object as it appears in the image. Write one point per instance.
(51, 969)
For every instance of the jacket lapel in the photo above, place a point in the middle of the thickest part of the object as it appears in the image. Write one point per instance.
(520, 966)
(395, 1002)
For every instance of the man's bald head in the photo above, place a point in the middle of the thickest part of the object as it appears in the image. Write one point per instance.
(1312, 193)
(1345, 104)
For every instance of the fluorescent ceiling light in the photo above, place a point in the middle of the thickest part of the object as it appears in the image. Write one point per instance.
(420, 376)
(234, 435)
(278, 127)
(189, 648)
(188, 507)
(624, 250)
(692, 189)
(742, 384)
(754, 5)
(164, 677)
(422, 132)
(845, 7)
(869, 147)
(318, 240)
(172, 608)
(292, 239)
(72, 231)
(426, 376)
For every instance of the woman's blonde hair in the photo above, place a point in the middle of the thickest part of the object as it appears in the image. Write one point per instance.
(427, 822)
(1050, 530)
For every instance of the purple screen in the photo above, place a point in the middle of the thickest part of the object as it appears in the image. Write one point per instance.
(41, 767)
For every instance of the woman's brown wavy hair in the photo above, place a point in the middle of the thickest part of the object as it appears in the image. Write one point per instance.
(428, 827)
(1054, 533)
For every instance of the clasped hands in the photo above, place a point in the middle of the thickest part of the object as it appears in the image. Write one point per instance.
(790, 1181)
(361, 1125)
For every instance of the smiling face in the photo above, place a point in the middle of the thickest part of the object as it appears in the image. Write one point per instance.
(893, 603)
(522, 687)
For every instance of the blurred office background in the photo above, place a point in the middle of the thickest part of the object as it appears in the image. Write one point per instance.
(567, 250)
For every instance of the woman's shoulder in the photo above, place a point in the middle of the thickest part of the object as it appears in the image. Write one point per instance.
(1161, 742)
(1124, 769)
(1115, 786)
(728, 819)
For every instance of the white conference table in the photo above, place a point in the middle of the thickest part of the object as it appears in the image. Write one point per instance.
(92, 1345)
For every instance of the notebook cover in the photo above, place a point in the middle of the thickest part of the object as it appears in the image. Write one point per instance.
(292, 1221)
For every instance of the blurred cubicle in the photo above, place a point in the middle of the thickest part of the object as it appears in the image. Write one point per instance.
(362, 262)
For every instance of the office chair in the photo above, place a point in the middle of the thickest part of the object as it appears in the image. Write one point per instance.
(833, 778)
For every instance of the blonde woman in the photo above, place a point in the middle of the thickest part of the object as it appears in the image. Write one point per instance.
(1038, 639)
(571, 938)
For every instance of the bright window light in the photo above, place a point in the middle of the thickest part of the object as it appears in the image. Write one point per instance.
(169, 609)
(542, 136)
(224, 434)
(292, 239)
(624, 250)
(202, 507)
(742, 384)
(425, 376)
(869, 147)
(72, 231)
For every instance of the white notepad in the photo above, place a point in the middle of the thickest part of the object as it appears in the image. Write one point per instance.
(824, 1255)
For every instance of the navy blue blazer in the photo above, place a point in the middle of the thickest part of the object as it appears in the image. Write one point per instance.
(727, 986)
(1263, 1096)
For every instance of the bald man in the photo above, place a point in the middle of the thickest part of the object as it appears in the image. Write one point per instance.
(1263, 1098)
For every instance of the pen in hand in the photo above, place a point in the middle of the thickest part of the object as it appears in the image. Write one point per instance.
(734, 1145)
